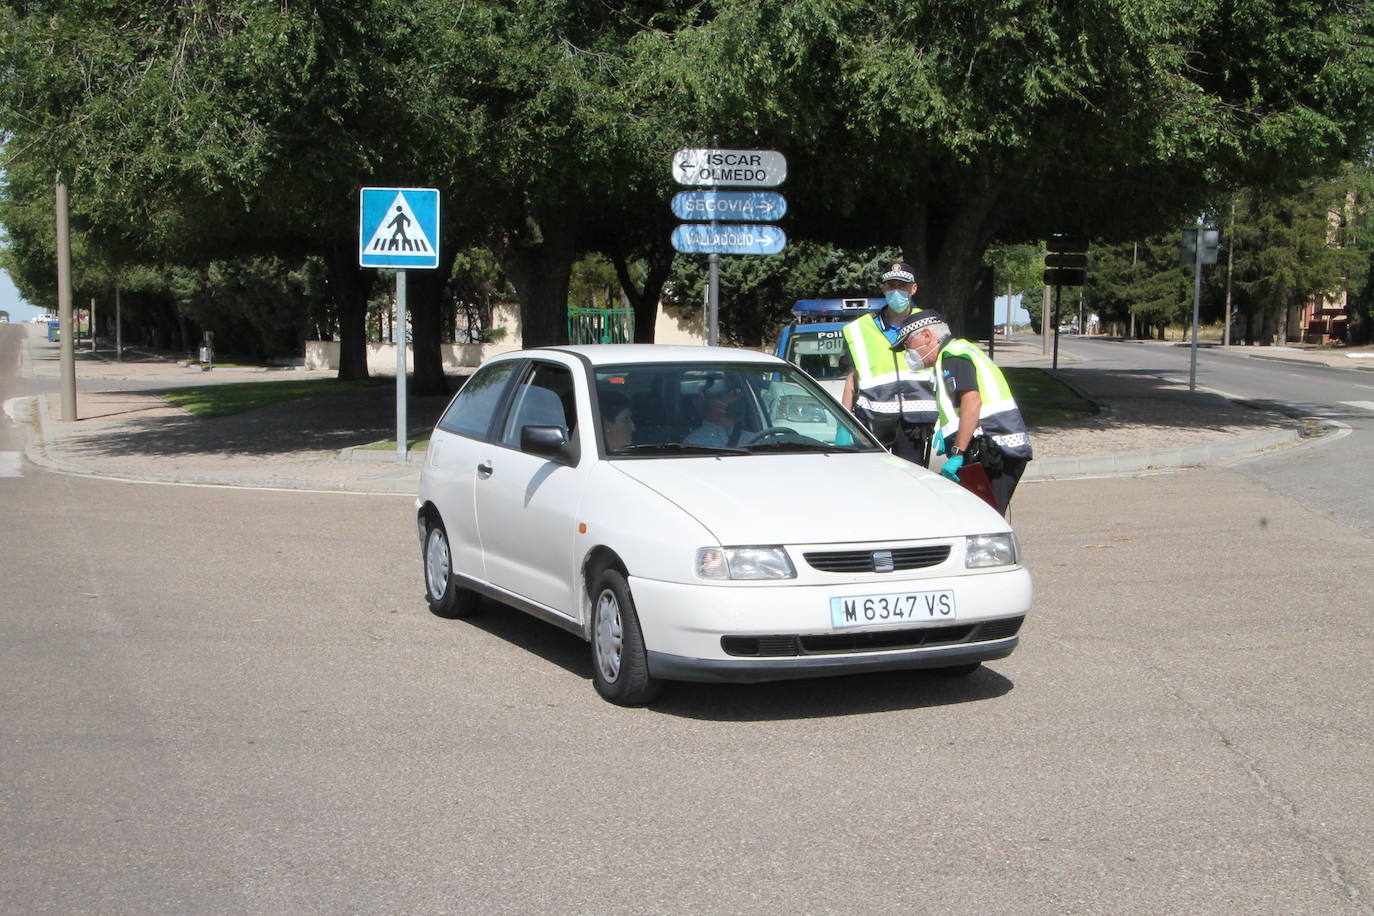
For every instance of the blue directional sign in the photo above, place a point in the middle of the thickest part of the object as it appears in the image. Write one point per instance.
(695, 238)
(398, 228)
(740, 206)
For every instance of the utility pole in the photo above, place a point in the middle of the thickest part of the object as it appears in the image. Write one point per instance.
(1230, 254)
(67, 362)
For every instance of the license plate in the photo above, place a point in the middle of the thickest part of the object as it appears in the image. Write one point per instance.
(899, 608)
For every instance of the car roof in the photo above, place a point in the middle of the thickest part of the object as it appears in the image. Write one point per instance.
(619, 354)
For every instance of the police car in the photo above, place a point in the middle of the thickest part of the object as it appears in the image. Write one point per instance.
(815, 341)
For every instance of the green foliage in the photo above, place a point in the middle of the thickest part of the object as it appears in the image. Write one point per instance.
(193, 133)
(256, 307)
(756, 293)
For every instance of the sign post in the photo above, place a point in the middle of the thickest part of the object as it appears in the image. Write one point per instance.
(399, 228)
(1199, 246)
(713, 168)
(1066, 264)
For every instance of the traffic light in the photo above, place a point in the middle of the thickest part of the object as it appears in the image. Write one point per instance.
(1067, 261)
(1211, 241)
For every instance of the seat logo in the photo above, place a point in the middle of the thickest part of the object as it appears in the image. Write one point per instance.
(882, 561)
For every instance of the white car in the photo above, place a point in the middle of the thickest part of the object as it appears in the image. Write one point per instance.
(785, 543)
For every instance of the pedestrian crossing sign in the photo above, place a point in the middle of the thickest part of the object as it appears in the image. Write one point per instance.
(398, 228)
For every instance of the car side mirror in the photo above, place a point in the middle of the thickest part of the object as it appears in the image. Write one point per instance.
(550, 442)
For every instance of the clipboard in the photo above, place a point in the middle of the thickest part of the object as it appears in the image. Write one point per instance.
(974, 478)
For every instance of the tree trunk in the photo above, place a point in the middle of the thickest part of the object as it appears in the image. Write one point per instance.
(539, 262)
(645, 301)
(948, 258)
(348, 289)
(425, 301)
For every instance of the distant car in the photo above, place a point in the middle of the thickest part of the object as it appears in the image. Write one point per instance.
(803, 549)
(1068, 329)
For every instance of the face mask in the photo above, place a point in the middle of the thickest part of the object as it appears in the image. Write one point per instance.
(914, 362)
(897, 300)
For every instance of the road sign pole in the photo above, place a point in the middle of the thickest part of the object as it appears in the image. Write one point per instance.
(1055, 364)
(713, 300)
(400, 335)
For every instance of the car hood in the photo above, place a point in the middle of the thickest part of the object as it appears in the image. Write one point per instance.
(810, 499)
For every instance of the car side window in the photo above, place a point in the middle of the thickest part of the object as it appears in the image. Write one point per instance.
(474, 408)
(544, 398)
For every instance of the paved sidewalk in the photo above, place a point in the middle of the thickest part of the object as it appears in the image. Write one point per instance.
(126, 430)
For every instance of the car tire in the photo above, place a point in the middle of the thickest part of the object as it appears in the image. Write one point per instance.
(446, 598)
(620, 663)
(959, 670)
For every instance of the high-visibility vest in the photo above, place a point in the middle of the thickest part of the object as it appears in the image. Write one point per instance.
(998, 418)
(885, 386)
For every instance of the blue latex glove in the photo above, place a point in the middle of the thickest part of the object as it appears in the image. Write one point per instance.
(939, 443)
(951, 468)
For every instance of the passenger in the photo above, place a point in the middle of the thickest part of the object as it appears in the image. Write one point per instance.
(617, 420)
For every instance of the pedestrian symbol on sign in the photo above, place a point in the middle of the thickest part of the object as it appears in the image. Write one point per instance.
(395, 235)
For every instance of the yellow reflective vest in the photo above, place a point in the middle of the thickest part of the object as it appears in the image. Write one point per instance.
(999, 418)
(885, 388)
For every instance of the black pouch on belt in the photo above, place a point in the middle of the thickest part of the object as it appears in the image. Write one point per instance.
(985, 451)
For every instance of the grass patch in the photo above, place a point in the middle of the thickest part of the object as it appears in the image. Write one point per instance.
(210, 401)
(412, 445)
(1044, 400)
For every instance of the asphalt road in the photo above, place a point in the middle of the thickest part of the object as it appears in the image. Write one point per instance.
(236, 701)
(221, 700)
(1333, 478)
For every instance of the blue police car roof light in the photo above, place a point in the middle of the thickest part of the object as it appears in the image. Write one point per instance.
(817, 309)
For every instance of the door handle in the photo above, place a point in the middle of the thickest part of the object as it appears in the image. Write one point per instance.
(484, 469)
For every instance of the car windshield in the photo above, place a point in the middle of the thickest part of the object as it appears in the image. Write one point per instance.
(685, 410)
(819, 351)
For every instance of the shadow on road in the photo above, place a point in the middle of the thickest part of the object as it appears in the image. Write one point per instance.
(812, 698)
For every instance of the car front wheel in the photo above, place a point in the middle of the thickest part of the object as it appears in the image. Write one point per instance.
(445, 597)
(620, 663)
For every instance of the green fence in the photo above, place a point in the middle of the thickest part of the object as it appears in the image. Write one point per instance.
(589, 326)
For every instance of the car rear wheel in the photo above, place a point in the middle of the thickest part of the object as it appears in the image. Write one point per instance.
(620, 663)
(446, 598)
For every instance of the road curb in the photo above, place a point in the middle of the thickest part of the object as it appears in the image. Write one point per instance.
(1158, 459)
(44, 452)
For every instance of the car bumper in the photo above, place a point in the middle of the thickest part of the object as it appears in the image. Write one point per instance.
(747, 670)
(758, 632)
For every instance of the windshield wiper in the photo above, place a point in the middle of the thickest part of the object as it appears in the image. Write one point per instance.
(795, 446)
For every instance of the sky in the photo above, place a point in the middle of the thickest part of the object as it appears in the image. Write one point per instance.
(10, 302)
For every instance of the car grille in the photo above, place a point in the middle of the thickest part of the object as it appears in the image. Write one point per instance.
(853, 561)
(880, 641)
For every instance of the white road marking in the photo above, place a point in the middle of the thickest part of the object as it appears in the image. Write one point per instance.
(10, 465)
(1360, 405)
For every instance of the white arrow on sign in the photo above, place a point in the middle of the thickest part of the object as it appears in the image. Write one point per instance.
(758, 168)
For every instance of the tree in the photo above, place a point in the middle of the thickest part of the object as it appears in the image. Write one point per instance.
(947, 125)
(1286, 252)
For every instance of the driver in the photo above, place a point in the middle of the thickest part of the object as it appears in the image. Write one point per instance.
(719, 426)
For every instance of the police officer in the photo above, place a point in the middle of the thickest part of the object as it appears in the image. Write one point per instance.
(979, 420)
(895, 401)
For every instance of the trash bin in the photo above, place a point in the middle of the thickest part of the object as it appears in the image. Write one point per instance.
(54, 330)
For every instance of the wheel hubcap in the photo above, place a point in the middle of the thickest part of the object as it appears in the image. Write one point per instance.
(437, 563)
(608, 637)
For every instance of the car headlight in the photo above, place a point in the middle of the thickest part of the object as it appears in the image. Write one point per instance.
(983, 550)
(744, 563)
